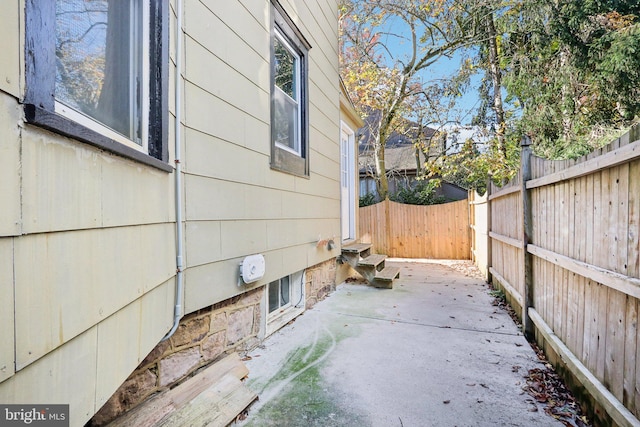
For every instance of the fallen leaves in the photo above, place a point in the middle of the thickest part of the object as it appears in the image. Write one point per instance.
(546, 387)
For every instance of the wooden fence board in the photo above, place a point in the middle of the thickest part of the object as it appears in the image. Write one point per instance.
(556, 323)
(562, 243)
(542, 225)
(586, 260)
(608, 160)
(619, 414)
(410, 231)
(578, 253)
(632, 362)
(590, 318)
(630, 350)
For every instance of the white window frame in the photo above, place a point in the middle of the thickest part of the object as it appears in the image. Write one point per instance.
(297, 303)
(297, 150)
(280, 308)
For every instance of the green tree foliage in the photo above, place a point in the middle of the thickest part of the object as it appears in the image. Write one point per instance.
(564, 72)
(572, 68)
(422, 193)
(385, 44)
(367, 200)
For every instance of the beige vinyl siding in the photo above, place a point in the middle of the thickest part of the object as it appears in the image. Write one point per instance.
(10, 212)
(235, 205)
(65, 376)
(60, 184)
(6, 309)
(88, 237)
(82, 277)
(125, 338)
(88, 274)
(10, 22)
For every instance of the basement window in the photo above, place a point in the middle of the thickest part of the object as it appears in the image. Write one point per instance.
(285, 300)
(279, 294)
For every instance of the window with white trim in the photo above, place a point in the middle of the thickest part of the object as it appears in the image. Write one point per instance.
(279, 294)
(285, 295)
(103, 78)
(289, 104)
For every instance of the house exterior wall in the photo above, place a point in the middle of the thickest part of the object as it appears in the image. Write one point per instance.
(87, 238)
(235, 204)
(87, 244)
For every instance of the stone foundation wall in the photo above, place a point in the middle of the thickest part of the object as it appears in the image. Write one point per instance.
(320, 282)
(202, 337)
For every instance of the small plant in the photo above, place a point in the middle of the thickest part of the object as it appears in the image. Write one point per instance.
(367, 200)
(423, 193)
(497, 293)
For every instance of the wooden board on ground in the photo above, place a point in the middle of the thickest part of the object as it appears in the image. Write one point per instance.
(217, 394)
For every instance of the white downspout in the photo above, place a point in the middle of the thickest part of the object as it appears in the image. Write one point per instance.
(177, 312)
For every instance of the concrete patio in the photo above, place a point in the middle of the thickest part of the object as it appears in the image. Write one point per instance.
(433, 351)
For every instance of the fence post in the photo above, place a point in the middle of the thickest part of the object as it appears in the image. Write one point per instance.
(472, 224)
(525, 170)
(388, 231)
(489, 240)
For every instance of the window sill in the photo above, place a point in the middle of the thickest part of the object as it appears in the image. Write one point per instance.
(276, 321)
(61, 125)
(285, 161)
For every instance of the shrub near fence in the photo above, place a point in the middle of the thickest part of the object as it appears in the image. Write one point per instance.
(414, 231)
(564, 245)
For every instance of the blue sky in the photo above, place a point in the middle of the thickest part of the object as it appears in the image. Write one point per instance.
(443, 68)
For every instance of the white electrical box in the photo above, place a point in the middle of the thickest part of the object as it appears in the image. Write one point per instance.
(252, 268)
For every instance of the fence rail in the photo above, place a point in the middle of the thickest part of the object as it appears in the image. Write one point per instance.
(411, 231)
(564, 244)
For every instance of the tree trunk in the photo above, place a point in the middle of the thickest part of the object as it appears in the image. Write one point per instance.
(381, 171)
(496, 81)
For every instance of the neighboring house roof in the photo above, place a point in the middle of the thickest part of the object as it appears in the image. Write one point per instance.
(400, 150)
(399, 153)
(397, 158)
(395, 139)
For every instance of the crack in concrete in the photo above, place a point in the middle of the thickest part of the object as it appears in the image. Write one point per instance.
(429, 325)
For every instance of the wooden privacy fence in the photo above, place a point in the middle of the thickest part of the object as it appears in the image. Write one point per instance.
(564, 245)
(411, 231)
(479, 230)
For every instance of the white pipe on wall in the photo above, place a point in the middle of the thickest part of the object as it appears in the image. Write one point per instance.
(177, 312)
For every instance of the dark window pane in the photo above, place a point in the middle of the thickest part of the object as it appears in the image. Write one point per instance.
(285, 64)
(274, 291)
(98, 60)
(285, 291)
